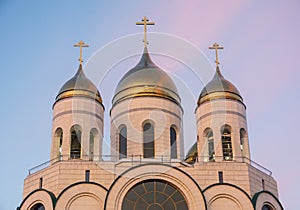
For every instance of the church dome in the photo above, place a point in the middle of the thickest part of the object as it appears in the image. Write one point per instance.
(146, 79)
(219, 87)
(192, 154)
(79, 85)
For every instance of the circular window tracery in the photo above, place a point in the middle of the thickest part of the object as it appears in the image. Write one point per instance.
(154, 195)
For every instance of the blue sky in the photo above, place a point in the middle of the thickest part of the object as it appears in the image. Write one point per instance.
(261, 40)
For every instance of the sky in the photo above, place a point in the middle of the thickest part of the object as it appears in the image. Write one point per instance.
(260, 56)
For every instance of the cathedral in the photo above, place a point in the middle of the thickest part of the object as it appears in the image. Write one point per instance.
(147, 168)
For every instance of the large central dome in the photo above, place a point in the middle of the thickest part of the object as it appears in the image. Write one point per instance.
(146, 79)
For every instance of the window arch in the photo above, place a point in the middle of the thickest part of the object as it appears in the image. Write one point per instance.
(58, 136)
(226, 142)
(123, 142)
(210, 145)
(267, 207)
(173, 142)
(75, 151)
(38, 206)
(93, 137)
(148, 140)
(154, 194)
(243, 139)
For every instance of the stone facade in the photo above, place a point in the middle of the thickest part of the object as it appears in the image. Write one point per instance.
(219, 174)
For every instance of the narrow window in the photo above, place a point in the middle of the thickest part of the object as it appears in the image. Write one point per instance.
(226, 143)
(58, 137)
(148, 137)
(173, 143)
(210, 145)
(263, 184)
(243, 137)
(41, 183)
(75, 152)
(91, 148)
(60, 146)
(87, 175)
(123, 143)
(220, 173)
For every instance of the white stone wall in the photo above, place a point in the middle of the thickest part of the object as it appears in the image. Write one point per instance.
(86, 113)
(134, 112)
(215, 114)
(241, 183)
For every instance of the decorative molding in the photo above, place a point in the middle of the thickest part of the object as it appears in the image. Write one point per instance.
(144, 109)
(221, 112)
(79, 112)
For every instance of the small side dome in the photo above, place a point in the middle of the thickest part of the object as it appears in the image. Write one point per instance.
(146, 79)
(191, 156)
(79, 85)
(219, 87)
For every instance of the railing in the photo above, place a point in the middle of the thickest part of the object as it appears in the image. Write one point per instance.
(239, 159)
(139, 159)
(75, 154)
(43, 165)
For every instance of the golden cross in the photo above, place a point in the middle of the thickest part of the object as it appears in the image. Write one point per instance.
(216, 47)
(80, 44)
(145, 22)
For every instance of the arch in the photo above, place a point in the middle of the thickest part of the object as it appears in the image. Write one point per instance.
(154, 194)
(173, 142)
(226, 142)
(266, 198)
(220, 195)
(267, 206)
(122, 137)
(210, 145)
(166, 173)
(75, 149)
(58, 141)
(148, 140)
(38, 206)
(77, 193)
(94, 134)
(39, 196)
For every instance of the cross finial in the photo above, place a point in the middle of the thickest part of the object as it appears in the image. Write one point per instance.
(216, 47)
(145, 22)
(80, 44)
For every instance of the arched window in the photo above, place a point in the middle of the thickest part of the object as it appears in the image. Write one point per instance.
(243, 137)
(226, 142)
(38, 206)
(59, 140)
(173, 143)
(148, 137)
(154, 195)
(75, 152)
(267, 207)
(208, 135)
(123, 142)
